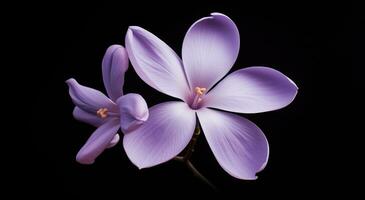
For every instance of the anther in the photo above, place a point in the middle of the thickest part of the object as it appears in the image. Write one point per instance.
(102, 113)
(199, 90)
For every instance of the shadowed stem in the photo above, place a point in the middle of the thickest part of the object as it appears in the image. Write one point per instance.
(188, 153)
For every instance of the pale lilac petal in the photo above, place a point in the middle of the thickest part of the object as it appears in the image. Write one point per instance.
(133, 111)
(114, 66)
(252, 90)
(239, 145)
(156, 63)
(89, 99)
(98, 141)
(114, 141)
(87, 117)
(209, 50)
(164, 135)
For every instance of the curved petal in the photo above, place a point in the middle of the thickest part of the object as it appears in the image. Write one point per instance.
(133, 111)
(87, 117)
(93, 120)
(210, 49)
(164, 135)
(252, 90)
(156, 63)
(87, 98)
(98, 141)
(114, 141)
(114, 66)
(239, 145)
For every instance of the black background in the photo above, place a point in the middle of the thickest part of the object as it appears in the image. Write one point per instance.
(304, 41)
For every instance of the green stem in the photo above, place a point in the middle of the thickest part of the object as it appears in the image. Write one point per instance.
(186, 158)
(199, 175)
(192, 143)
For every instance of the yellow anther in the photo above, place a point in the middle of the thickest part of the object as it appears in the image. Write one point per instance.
(200, 91)
(102, 113)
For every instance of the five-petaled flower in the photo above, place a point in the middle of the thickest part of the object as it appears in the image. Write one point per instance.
(209, 50)
(108, 114)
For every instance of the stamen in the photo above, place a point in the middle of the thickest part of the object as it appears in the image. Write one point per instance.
(199, 92)
(102, 113)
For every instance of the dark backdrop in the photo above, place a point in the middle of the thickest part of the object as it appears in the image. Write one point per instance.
(69, 40)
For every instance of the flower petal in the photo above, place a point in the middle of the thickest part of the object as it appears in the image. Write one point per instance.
(239, 145)
(164, 135)
(156, 63)
(98, 141)
(252, 90)
(114, 66)
(210, 49)
(133, 111)
(87, 117)
(89, 99)
(114, 141)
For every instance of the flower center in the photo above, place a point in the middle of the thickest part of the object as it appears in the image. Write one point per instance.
(198, 96)
(102, 113)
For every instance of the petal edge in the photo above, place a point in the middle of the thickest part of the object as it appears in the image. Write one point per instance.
(156, 63)
(164, 135)
(114, 66)
(98, 142)
(210, 48)
(239, 146)
(252, 90)
(133, 111)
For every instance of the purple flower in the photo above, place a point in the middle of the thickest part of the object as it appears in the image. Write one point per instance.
(108, 114)
(209, 50)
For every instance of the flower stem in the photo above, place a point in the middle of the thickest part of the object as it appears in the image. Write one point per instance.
(199, 175)
(186, 158)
